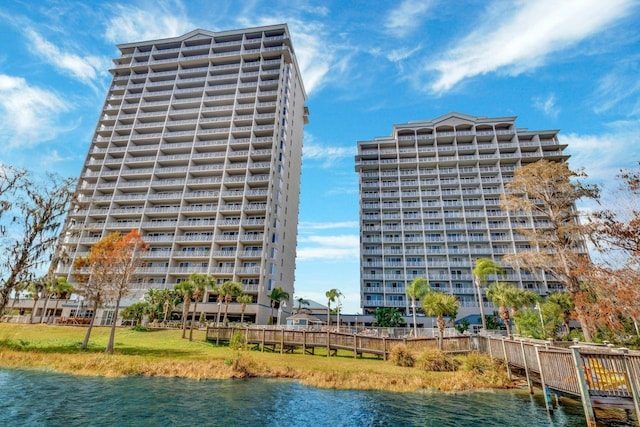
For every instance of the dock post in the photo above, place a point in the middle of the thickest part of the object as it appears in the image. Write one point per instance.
(263, 333)
(355, 346)
(632, 382)
(304, 342)
(489, 346)
(526, 366)
(384, 348)
(584, 388)
(328, 343)
(281, 341)
(545, 390)
(506, 358)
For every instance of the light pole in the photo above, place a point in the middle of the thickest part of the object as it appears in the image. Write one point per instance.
(283, 305)
(166, 309)
(218, 318)
(541, 318)
(415, 328)
(80, 299)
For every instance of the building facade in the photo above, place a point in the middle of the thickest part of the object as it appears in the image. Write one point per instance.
(199, 146)
(430, 206)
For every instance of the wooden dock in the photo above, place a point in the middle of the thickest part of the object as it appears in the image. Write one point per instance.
(598, 376)
(287, 340)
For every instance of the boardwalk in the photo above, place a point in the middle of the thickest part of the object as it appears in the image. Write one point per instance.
(286, 341)
(600, 377)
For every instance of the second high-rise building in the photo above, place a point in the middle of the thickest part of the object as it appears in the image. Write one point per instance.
(430, 206)
(199, 146)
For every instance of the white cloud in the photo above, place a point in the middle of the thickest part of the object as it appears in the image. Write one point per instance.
(315, 58)
(160, 20)
(352, 189)
(619, 85)
(514, 43)
(55, 157)
(326, 225)
(318, 58)
(326, 153)
(398, 55)
(87, 69)
(547, 105)
(344, 247)
(406, 17)
(329, 155)
(28, 114)
(602, 156)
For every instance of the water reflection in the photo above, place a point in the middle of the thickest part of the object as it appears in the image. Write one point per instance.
(46, 399)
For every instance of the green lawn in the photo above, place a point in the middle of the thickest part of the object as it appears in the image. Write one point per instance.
(165, 353)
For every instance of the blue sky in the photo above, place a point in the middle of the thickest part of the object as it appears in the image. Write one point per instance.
(572, 65)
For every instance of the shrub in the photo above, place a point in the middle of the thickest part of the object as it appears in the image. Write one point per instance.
(436, 361)
(478, 363)
(401, 356)
(237, 341)
(242, 366)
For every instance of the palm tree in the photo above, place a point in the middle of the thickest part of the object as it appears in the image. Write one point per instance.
(332, 295)
(276, 296)
(388, 317)
(415, 291)
(523, 298)
(301, 302)
(438, 304)
(483, 268)
(185, 290)
(244, 299)
(201, 283)
(61, 289)
(33, 291)
(230, 289)
(136, 312)
(17, 290)
(217, 290)
(47, 293)
(507, 296)
(565, 305)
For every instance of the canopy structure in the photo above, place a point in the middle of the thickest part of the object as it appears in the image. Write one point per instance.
(304, 320)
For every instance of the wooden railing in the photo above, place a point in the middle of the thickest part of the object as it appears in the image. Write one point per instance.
(600, 376)
(287, 340)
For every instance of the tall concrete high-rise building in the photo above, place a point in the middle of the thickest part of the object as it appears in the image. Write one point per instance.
(199, 146)
(430, 206)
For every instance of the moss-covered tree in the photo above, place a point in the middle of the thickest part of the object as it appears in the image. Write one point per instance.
(547, 192)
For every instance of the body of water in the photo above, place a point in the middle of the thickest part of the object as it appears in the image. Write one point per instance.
(35, 398)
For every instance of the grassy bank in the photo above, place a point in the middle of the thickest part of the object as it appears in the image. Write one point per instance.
(165, 353)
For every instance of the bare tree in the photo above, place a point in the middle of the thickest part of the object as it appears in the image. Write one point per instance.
(31, 227)
(546, 191)
(10, 178)
(615, 232)
(107, 271)
(618, 228)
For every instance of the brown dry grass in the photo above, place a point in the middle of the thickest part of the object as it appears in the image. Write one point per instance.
(164, 353)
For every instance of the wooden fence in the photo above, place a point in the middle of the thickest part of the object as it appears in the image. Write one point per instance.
(286, 340)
